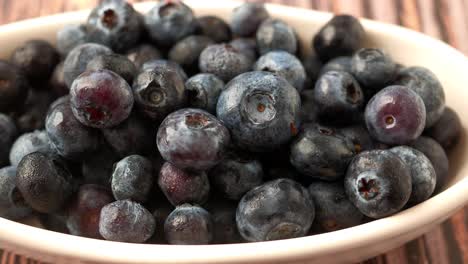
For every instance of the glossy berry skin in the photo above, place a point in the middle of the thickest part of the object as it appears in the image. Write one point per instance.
(309, 109)
(132, 178)
(69, 37)
(341, 36)
(275, 34)
(338, 96)
(57, 81)
(180, 186)
(37, 141)
(447, 130)
(116, 63)
(223, 214)
(77, 59)
(188, 225)
(12, 205)
(246, 18)
(97, 168)
(378, 183)
(333, 210)
(8, 133)
(187, 51)
(260, 109)
(373, 68)
(285, 65)
(423, 82)
(164, 65)
(143, 53)
(396, 115)
(319, 152)
(215, 28)
(312, 66)
(169, 22)
(247, 46)
(436, 154)
(342, 63)
(44, 182)
(278, 209)
(423, 175)
(101, 99)
(192, 139)
(360, 137)
(158, 91)
(68, 136)
(13, 87)
(84, 211)
(224, 61)
(203, 91)
(37, 59)
(126, 221)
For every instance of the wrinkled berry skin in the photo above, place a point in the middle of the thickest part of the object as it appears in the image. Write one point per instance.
(12, 205)
(447, 130)
(143, 53)
(85, 209)
(342, 63)
(333, 210)
(423, 82)
(97, 168)
(8, 133)
(126, 221)
(247, 46)
(341, 36)
(423, 176)
(360, 137)
(396, 115)
(285, 65)
(169, 22)
(224, 61)
(37, 59)
(338, 96)
(68, 136)
(378, 183)
(101, 99)
(275, 34)
(223, 214)
(189, 225)
(436, 154)
(373, 68)
(203, 91)
(69, 37)
(36, 141)
(192, 139)
(76, 61)
(164, 65)
(180, 186)
(278, 209)
(319, 152)
(246, 18)
(57, 81)
(309, 109)
(132, 178)
(13, 87)
(159, 91)
(44, 182)
(116, 63)
(260, 109)
(215, 28)
(187, 51)
(312, 66)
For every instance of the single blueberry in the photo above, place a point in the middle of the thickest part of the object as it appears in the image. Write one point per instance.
(12, 204)
(246, 18)
(187, 51)
(447, 130)
(143, 53)
(275, 34)
(69, 37)
(132, 178)
(224, 61)
(373, 69)
(116, 63)
(215, 28)
(37, 141)
(203, 91)
(189, 225)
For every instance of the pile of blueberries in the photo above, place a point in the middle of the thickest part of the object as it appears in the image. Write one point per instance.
(171, 128)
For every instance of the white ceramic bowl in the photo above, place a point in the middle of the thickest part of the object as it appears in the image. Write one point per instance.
(349, 245)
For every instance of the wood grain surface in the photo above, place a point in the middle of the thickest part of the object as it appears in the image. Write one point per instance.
(443, 19)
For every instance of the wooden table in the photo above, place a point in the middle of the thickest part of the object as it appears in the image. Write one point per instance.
(443, 19)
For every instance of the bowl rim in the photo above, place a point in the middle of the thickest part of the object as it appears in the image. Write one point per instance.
(451, 199)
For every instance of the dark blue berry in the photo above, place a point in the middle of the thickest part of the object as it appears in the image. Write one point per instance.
(37, 141)
(246, 46)
(57, 81)
(203, 91)
(342, 63)
(275, 34)
(13, 87)
(34, 111)
(143, 53)
(116, 63)
(187, 51)
(224, 61)
(309, 109)
(215, 28)
(163, 65)
(8, 133)
(246, 18)
(312, 66)
(373, 68)
(97, 168)
(447, 130)
(360, 137)
(69, 37)
(223, 214)
(54, 222)
(132, 178)
(189, 225)
(12, 205)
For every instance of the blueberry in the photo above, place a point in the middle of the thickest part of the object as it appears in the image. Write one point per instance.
(341, 36)
(33, 113)
(69, 37)
(126, 221)
(378, 183)
(333, 210)
(187, 51)
(319, 152)
(246, 46)
(159, 90)
(116, 63)
(132, 178)
(312, 66)
(436, 154)
(12, 205)
(57, 81)
(97, 168)
(223, 214)
(37, 141)
(309, 109)
(160, 213)
(342, 63)
(246, 18)
(143, 53)
(338, 96)
(275, 34)
(163, 65)
(423, 176)
(260, 109)
(423, 82)
(278, 209)
(189, 225)
(396, 115)
(8, 133)
(215, 28)
(84, 210)
(54, 222)
(285, 65)
(192, 139)
(170, 21)
(13, 87)
(203, 91)
(44, 182)
(101, 99)
(224, 61)
(180, 186)
(360, 137)
(114, 23)
(447, 130)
